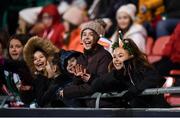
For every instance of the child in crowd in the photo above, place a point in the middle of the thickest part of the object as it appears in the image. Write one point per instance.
(15, 74)
(54, 29)
(125, 17)
(94, 58)
(43, 59)
(130, 71)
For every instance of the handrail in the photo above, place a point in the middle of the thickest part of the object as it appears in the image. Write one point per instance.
(98, 96)
(151, 91)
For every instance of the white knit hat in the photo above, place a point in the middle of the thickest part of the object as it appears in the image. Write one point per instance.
(30, 14)
(130, 9)
(74, 15)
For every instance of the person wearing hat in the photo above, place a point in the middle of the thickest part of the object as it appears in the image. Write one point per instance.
(53, 28)
(125, 17)
(94, 58)
(39, 56)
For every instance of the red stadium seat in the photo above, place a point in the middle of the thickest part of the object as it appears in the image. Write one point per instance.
(175, 72)
(149, 45)
(157, 50)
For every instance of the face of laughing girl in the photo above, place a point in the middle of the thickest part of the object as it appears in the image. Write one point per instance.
(88, 40)
(39, 61)
(119, 56)
(15, 49)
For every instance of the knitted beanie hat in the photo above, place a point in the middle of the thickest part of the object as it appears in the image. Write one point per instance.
(130, 9)
(97, 26)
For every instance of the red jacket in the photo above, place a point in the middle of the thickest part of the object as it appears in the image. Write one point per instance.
(172, 49)
(55, 32)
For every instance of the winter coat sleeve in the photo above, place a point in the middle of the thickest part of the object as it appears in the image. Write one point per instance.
(74, 91)
(149, 79)
(48, 95)
(103, 65)
(39, 87)
(108, 83)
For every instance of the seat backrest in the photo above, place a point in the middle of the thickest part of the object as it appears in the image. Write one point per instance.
(159, 45)
(149, 45)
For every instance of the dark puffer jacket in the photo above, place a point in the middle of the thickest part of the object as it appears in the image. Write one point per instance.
(134, 80)
(96, 62)
(45, 90)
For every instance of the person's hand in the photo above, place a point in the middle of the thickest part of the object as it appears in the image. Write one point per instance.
(50, 71)
(82, 73)
(78, 70)
(86, 76)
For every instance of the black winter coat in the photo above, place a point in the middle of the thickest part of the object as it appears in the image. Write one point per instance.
(19, 67)
(96, 62)
(135, 81)
(45, 90)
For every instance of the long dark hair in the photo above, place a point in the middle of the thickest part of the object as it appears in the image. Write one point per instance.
(139, 58)
(22, 38)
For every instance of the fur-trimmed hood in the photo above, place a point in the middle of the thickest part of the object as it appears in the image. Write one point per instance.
(34, 43)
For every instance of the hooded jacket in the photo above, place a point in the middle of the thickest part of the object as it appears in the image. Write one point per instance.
(34, 43)
(54, 32)
(96, 62)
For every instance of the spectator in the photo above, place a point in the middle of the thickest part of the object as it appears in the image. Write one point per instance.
(149, 13)
(125, 16)
(15, 71)
(95, 59)
(130, 71)
(54, 29)
(39, 56)
(70, 67)
(73, 17)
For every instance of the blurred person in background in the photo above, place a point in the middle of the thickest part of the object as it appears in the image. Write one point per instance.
(125, 17)
(53, 28)
(171, 18)
(149, 13)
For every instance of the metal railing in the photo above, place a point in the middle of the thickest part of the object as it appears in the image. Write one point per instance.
(151, 91)
(98, 96)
